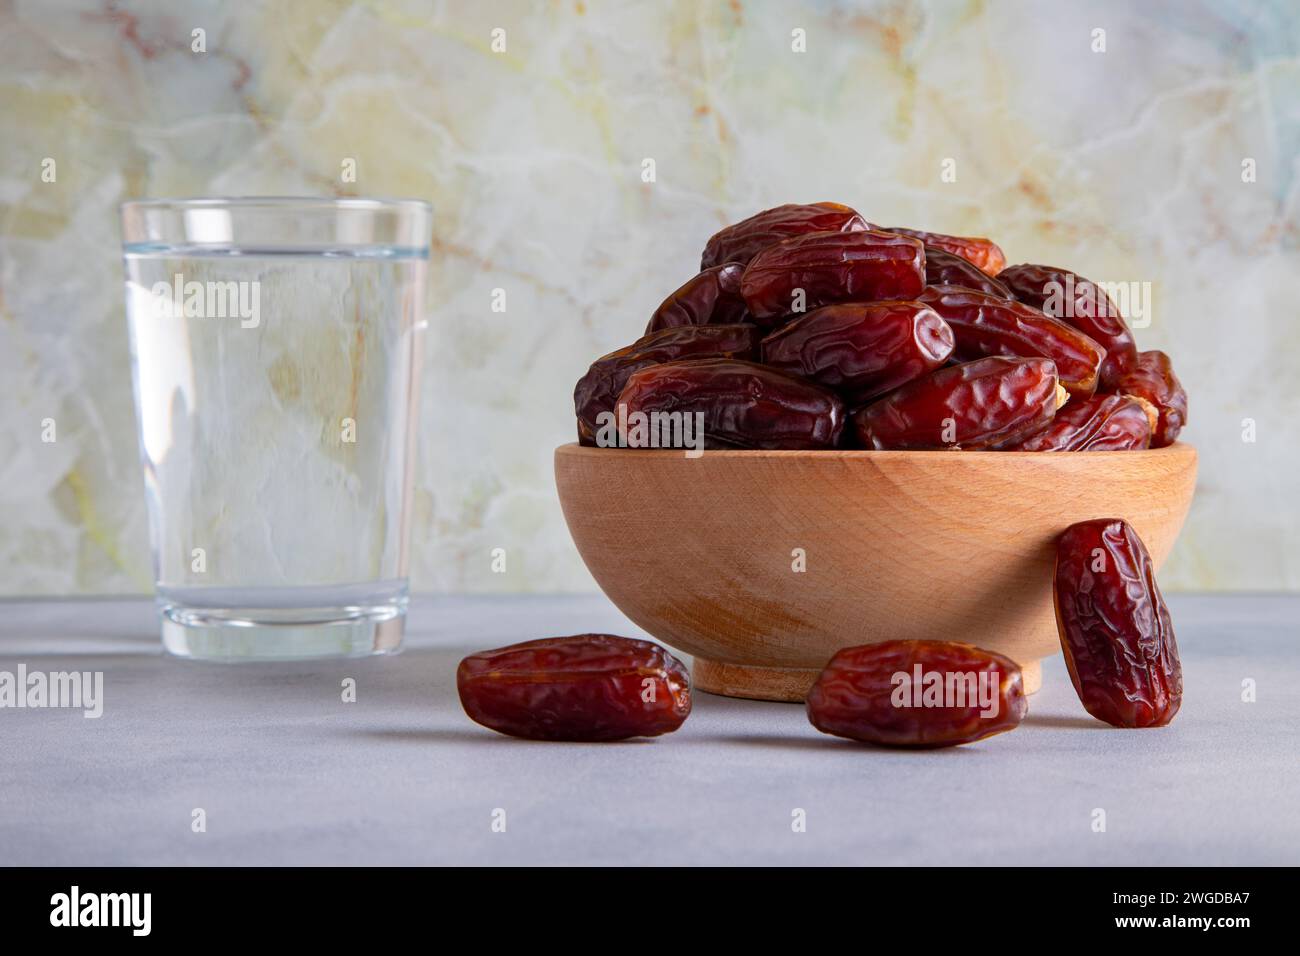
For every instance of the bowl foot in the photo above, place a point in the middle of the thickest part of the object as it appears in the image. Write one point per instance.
(1031, 676)
(790, 684)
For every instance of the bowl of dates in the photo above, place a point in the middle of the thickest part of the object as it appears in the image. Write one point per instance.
(838, 434)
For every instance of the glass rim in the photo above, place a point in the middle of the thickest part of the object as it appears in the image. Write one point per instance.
(339, 202)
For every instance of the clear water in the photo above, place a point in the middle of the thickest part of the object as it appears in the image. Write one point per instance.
(276, 428)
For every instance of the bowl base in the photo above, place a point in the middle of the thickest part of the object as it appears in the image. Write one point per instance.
(790, 684)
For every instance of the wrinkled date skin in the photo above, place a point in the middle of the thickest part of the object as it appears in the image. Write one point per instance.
(1115, 630)
(712, 297)
(1152, 379)
(983, 253)
(863, 349)
(743, 240)
(832, 267)
(985, 404)
(986, 325)
(943, 268)
(598, 390)
(1079, 302)
(745, 405)
(589, 687)
(1100, 423)
(961, 694)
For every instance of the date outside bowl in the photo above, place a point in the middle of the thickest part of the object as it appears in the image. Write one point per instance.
(704, 553)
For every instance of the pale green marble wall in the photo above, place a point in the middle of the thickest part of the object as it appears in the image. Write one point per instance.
(1123, 164)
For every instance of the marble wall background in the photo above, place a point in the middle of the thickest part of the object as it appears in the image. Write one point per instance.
(1123, 164)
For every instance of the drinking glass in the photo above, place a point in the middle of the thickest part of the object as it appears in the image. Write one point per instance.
(275, 354)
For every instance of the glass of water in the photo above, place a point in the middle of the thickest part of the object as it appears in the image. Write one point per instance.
(276, 348)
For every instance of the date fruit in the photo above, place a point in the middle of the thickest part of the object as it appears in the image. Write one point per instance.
(1115, 630)
(828, 267)
(589, 687)
(943, 268)
(743, 240)
(983, 253)
(808, 327)
(712, 297)
(1152, 379)
(986, 325)
(1100, 423)
(743, 404)
(861, 349)
(985, 404)
(598, 390)
(1079, 302)
(917, 694)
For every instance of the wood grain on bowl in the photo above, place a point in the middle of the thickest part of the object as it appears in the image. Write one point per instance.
(702, 553)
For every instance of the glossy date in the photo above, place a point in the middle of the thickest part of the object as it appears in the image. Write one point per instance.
(983, 253)
(743, 240)
(598, 390)
(712, 297)
(1114, 626)
(986, 404)
(943, 268)
(1079, 302)
(861, 349)
(742, 404)
(917, 694)
(986, 325)
(1152, 379)
(826, 267)
(589, 687)
(1099, 423)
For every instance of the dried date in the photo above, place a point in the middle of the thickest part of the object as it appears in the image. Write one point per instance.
(986, 404)
(598, 390)
(589, 687)
(740, 405)
(827, 267)
(984, 254)
(1100, 423)
(917, 694)
(1079, 302)
(862, 349)
(986, 325)
(743, 240)
(712, 297)
(943, 268)
(1152, 379)
(1114, 626)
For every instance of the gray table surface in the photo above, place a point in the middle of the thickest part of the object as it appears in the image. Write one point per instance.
(286, 773)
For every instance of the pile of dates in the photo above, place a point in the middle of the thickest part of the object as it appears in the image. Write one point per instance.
(1115, 631)
(810, 328)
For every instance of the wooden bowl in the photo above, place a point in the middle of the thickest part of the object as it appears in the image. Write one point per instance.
(702, 552)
